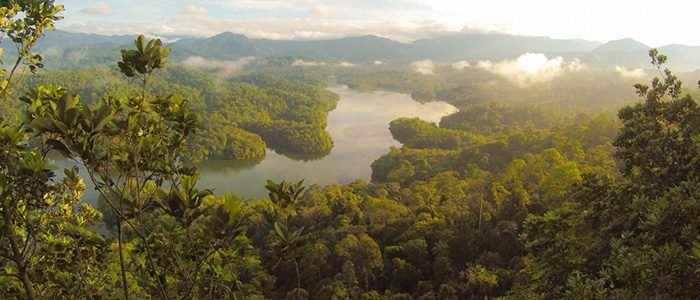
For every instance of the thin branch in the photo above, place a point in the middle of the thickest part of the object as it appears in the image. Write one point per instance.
(133, 227)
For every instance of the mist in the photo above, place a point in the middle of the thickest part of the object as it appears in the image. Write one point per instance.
(425, 67)
(221, 68)
(531, 68)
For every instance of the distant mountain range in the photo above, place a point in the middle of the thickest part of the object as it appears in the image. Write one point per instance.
(74, 50)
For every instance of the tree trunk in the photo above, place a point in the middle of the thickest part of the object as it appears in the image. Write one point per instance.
(18, 257)
(125, 285)
(296, 268)
(26, 281)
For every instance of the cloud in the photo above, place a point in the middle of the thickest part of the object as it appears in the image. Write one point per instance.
(222, 68)
(321, 10)
(192, 9)
(425, 67)
(461, 65)
(630, 73)
(378, 62)
(346, 64)
(51, 51)
(576, 65)
(531, 68)
(280, 28)
(101, 9)
(303, 63)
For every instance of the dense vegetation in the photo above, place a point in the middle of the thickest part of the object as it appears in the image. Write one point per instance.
(587, 89)
(499, 200)
(241, 116)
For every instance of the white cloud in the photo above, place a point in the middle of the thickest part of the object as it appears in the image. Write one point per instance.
(321, 10)
(576, 65)
(378, 62)
(531, 68)
(195, 10)
(425, 67)
(630, 73)
(412, 18)
(101, 9)
(224, 69)
(303, 63)
(461, 65)
(346, 64)
(282, 28)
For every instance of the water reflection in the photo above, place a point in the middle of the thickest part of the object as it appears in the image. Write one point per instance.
(303, 157)
(359, 127)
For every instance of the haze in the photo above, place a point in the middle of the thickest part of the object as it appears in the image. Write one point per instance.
(596, 20)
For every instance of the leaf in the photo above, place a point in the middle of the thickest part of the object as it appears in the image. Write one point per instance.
(103, 117)
(43, 124)
(59, 146)
(280, 230)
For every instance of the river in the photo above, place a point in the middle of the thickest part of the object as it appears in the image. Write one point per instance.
(359, 126)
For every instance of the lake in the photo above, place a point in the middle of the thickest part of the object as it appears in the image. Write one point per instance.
(359, 126)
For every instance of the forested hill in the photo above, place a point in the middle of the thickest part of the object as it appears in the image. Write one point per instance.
(521, 194)
(70, 50)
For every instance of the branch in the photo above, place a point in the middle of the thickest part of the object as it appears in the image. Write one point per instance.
(133, 227)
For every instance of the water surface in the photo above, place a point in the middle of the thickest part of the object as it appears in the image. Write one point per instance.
(360, 129)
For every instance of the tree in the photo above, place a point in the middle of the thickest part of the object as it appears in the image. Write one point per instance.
(45, 240)
(363, 252)
(44, 235)
(132, 149)
(632, 237)
(289, 245)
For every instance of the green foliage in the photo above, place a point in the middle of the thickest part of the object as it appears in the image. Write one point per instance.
(221, 139)
(500, 200)
(634, 237)
(239, 119)
(147, 57)
(24, 23)
(285, 194)
(132, 149)
(415, 133)
(47, 245)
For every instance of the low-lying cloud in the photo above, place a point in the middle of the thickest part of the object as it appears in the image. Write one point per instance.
(222, 68)
(630, 73)
(425, 67)
(531, 68)
(461, 65)
(304, 63)
(346, 64)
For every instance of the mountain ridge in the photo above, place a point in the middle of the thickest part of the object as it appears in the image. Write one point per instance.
(370, 48)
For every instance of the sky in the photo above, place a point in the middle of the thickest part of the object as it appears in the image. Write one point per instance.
(655, 23)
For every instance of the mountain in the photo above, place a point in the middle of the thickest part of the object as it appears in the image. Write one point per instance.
(360, 49)
(494, 46)
(682, 57)
(370, 48)
(69, 50)
(234, 46)
(625, 52)
(223, 46)
(617, 46)
(65, 39)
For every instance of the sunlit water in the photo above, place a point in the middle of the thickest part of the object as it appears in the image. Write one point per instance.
(360, 129)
